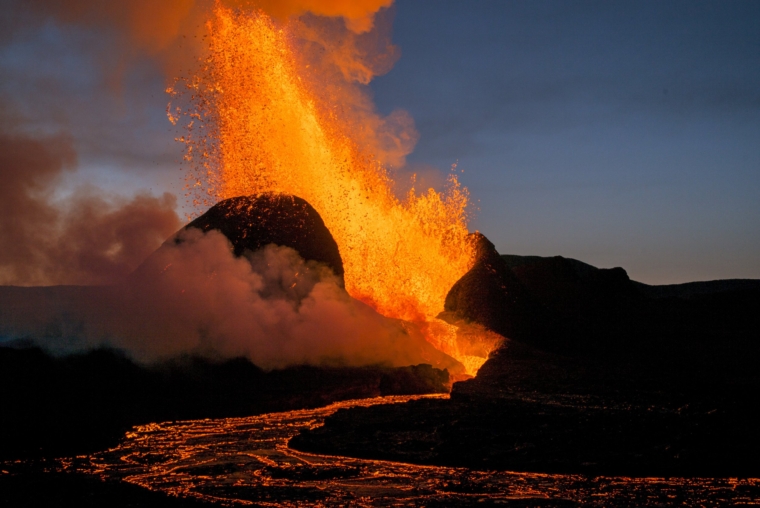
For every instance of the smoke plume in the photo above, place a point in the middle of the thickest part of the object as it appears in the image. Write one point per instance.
(343, 43)
(340, 64)
(195, 297)
(88, 238)
(154, 26)
(272, 307)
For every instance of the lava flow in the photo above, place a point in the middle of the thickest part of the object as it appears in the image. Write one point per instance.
(267, 118)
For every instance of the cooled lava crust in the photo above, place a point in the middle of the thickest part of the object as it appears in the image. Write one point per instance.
(253, 222)
(489, 294)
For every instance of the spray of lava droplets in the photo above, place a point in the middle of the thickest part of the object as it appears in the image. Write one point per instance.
(257, 123)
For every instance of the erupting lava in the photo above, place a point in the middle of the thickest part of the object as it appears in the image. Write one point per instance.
(261, 123)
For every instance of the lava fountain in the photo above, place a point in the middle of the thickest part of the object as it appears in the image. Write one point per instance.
(262, 119)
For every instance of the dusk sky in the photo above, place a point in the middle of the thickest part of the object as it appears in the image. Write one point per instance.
(617, 133)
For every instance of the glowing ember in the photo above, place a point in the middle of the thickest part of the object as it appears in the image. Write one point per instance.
(267, 127)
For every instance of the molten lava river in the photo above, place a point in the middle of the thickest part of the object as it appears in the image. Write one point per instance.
(244, 461)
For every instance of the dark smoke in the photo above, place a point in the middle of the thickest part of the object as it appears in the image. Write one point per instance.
(89, 238)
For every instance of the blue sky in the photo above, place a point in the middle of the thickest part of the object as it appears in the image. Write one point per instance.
(618, 133)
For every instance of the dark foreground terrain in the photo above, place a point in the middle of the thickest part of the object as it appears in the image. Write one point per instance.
(84, 403)
(604, 376)
(33, 485)
(548, 415)
(74, 405)
(600, 375)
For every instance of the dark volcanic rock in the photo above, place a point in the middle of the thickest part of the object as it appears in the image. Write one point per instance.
(632, 380)
(699, 289)
(566, 306)
(253, 222)
(53, 406)
(555, 303)
(489, 294)
(567, 286)
(597, 309)
(702, 326)
(529, 410)
(548, 435)
(33, 484)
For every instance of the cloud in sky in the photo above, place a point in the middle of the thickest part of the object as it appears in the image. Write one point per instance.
(87, 77)
(99, 71)
(59, 123)
(84, 131)
(154, 26)
(91, 237)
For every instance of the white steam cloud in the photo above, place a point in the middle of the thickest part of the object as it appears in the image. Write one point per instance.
(195, 297)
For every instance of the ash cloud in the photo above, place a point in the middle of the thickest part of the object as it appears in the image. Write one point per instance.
(156, 26)
(340, 64)
(87, 238)
(344, 43)
(195, 297)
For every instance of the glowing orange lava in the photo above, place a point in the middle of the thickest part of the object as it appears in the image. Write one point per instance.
(273, 132)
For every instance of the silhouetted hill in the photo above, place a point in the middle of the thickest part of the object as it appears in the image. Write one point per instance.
(602, 375)
(514, 261)
(620, 334)
(690, 289)
(684, 290)
(253, 222)
(491, 295)
(601, 312)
